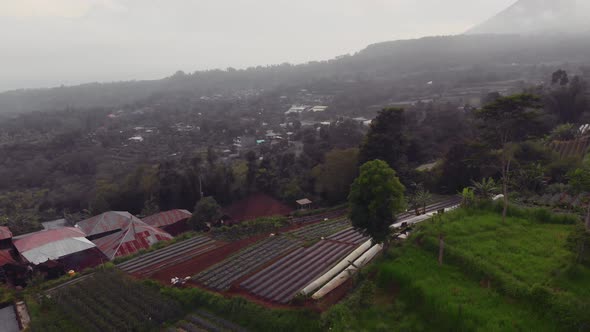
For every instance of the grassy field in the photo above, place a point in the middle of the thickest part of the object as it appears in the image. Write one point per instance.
(513, 276)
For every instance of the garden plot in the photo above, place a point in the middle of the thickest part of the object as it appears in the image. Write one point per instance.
(320, 217)
(108, 301)
(150, 263)
(204, 321)
(221, 276)
(320, 230)
(281, 281)
(349, 236)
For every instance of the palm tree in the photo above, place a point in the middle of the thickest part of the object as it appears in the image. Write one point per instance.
(486, 189)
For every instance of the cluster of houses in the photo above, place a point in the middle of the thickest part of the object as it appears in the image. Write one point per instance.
(89, 243)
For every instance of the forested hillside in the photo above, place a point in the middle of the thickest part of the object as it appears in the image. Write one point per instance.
(448, 60)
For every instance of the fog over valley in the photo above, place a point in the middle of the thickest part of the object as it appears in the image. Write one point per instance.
(50, 43)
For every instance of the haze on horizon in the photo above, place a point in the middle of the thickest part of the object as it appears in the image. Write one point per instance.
(53, 42)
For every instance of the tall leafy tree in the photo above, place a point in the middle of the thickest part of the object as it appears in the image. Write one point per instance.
(376, 196)
(334, 177)
(506, 122)
(567, 98)
(207, 210)
(387, 140)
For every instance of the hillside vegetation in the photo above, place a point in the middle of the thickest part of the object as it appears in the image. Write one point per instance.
(513, 276)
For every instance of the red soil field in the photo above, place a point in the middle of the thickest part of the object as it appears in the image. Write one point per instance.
(256, 206)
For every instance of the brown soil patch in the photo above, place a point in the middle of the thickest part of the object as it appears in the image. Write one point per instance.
(256, 206)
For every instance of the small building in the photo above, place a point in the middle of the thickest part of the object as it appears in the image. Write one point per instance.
(296, 109)
(304, 204)
(106, 223)
(65, 249)
(136, 236)
(317, 109)
(173, 222)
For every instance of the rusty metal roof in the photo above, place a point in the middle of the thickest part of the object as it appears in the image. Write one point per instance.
(5, 233)
(106, 222)
(42, 246)
(136, 236)
(167, 218)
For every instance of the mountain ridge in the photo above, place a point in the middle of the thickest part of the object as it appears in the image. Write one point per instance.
(539, 17)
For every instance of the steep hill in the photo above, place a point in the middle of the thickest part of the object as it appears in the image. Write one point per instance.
(539, 16)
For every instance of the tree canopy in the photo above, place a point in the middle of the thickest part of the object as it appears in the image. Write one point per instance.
(386, 140)
(375, 198)
(207, 210)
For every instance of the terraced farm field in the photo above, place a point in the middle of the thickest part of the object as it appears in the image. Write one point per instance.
(349, 236)
(320, 217)
(320, 230)
(148, 264)
(281, 281)
(221, 276)
(204, 321)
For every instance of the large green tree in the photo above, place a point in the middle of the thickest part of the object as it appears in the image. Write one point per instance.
(387, 140)
(334, 177)
(506, 122)
(376, 196)
(207, 210)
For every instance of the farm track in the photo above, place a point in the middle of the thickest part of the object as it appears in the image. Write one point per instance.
(150, 263)
(281, 281)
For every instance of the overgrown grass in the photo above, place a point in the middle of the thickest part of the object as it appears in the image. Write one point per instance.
(525, 258)
(452, 301)
(531, 252)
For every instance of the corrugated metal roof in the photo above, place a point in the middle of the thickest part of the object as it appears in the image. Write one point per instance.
(43, 246)
(106, 222)
(167, 218)
(5, 233)
(6, 258)
(136, 236)
(38, 239)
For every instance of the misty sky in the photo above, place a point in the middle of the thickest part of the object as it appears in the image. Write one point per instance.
(54, 42)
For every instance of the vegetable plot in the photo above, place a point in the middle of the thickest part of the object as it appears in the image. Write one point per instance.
(349, 236)
(204, 321)
(150, 263)
(108, 301)
(281, 281)
(317, 231)
(220, 277)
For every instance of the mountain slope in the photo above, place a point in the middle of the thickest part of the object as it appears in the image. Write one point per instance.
(383, 62)
(539, 16)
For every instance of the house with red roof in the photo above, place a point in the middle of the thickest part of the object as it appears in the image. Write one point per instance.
(136, 236)
(65, 249)
(173, 222)
(106, 223)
